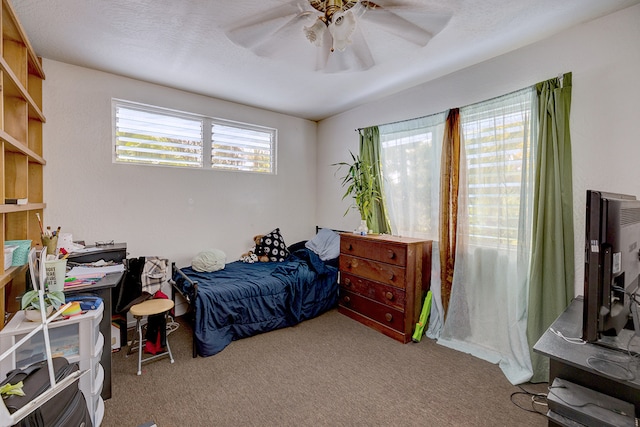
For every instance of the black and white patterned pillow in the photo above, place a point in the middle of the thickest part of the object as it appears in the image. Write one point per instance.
(273, 246)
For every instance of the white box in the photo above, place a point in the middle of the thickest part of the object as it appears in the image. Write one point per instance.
(115, 338)
(8, 256)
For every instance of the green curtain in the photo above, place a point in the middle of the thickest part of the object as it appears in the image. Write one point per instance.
(551, 285)
(370, 153)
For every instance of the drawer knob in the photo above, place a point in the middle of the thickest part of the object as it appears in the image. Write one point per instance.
(390, 275)
(346, 300)
(388, 317)
(352, 264)
(389, 296)
(347, 282)
(391, 254)
(350, 247)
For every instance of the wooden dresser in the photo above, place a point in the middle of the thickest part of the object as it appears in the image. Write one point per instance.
(383, 280)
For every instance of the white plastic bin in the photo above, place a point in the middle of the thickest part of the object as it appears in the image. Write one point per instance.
(8, 255)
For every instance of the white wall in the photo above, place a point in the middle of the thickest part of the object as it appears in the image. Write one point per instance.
(604, 56)
(163, 211)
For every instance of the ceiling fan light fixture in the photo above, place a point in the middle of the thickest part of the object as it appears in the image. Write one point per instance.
(342, 26)
(330, 25)
(315, 32)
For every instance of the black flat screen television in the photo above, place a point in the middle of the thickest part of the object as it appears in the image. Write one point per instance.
(612, 263)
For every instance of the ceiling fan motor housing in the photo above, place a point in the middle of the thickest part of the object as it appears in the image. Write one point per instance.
(329, 7)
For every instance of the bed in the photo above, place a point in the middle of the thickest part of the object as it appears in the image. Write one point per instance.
(244, 299)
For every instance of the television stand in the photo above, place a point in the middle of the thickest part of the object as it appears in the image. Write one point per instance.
(571, 362)
(625, 342)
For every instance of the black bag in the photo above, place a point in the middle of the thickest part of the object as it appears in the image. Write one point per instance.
(68, 408)
(130, 292)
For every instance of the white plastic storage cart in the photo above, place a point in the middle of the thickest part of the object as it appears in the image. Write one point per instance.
(78, 339)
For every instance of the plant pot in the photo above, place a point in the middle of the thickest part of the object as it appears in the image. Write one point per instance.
(34, 315)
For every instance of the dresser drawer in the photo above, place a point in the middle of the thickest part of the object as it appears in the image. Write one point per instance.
(389, 295)
(374, 310)
(374, 249)
(374, 270)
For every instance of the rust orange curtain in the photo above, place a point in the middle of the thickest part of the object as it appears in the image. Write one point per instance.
(449, 186)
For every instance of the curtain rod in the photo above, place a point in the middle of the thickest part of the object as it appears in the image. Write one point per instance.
(404, 120)
(560, 78)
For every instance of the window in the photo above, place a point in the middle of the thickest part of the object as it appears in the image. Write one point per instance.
(150, 135)
(247, 148)
(496, 135)
(410, 154)
(154, 136)
(497, 140)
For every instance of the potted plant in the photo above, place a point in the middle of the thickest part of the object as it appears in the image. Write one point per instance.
(359, 181)
(31, 303)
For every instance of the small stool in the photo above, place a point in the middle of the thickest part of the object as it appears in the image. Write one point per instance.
(148, 308)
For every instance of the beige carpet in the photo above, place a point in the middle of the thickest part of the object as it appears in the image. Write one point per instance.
(328, 371)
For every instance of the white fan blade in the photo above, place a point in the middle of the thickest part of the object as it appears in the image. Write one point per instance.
(430, 25)
(361, 51)
(324, 52)
(282, 39)
(254, 31)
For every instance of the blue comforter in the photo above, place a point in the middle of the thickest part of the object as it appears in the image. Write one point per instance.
(246, 299)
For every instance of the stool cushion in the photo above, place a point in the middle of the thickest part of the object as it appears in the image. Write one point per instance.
(151, 306)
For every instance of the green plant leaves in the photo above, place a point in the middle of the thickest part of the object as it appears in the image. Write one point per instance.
(359, 183)
(30, 299)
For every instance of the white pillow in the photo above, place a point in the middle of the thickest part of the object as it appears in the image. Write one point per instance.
(209, 260)
(326, 244)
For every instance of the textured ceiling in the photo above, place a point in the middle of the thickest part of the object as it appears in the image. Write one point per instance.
(183, 44)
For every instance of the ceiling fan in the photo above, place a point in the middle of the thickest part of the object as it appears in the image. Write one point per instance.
(330, 32)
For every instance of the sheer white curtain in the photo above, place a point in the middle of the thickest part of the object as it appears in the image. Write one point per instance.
(488, 306)
(410, 154)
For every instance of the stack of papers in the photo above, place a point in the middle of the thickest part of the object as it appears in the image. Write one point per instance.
(89, 271)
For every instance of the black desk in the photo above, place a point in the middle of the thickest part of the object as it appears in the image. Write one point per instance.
(569, 361)
(103, 290)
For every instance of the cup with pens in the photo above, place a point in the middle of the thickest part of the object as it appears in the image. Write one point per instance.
(49, 238)
(55, 267)
(51, 242)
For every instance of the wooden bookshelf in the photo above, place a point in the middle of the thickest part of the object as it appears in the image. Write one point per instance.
(21, 165)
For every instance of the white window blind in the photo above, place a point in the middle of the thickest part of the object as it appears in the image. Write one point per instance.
(158, 137)
(242, 147)
(145, 134)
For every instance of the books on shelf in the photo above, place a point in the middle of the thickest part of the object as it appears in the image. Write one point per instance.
(16, 201)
